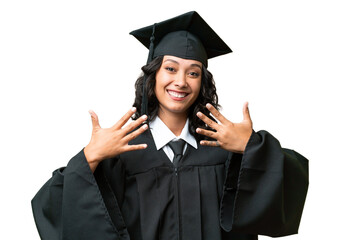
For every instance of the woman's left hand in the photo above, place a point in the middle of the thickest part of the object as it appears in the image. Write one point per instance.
(229, 136)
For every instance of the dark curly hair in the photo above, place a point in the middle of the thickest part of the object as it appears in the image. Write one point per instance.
(207, 94)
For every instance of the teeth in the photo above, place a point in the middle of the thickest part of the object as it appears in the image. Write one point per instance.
(176, 94)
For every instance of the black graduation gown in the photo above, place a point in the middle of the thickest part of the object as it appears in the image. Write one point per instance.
(212, 195)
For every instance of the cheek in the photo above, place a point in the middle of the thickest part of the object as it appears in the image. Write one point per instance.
(196, 86)
(157, 83)
(160, 80)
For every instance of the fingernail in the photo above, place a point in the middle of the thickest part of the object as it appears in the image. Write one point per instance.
(145, 126)
(197, 130)
(198, 114)
(133, 109)
(144, 117)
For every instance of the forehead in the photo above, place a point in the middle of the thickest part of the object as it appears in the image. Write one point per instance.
(181, 61)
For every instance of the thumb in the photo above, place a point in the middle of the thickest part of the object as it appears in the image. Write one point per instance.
(246, 112)
(94, 119)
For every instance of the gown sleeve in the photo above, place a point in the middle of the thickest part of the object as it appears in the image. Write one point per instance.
(70, 205)
(265, 188)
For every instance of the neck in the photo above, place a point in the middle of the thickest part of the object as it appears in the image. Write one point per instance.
(175, 122)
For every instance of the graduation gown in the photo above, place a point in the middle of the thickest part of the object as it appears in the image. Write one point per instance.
(212, 194)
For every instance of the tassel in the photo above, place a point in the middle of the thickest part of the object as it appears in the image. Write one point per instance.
(151, 46)
(144, 102)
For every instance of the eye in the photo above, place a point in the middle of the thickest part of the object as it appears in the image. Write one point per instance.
(194, 74)
(170, 69)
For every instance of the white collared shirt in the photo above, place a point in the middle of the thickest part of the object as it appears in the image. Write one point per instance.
(163, 135)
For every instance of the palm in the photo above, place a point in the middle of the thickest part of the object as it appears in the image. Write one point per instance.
(228, 135)
(109, 142)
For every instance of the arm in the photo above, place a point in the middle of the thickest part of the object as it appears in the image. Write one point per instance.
(70, 206)
(265, 189)
(77, 202)
(266, 185)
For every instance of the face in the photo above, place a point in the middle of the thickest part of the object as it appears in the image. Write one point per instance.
(177, 86)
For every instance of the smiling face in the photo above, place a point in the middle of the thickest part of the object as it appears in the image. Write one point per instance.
(177, 86)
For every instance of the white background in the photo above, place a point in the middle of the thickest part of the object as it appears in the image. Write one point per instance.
(296, 62)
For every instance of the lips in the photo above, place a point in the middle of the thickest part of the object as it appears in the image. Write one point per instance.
(177, 95)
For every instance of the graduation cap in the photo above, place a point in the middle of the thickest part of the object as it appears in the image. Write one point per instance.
(186, 36)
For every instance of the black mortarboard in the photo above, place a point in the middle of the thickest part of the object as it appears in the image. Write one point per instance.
(186, 36)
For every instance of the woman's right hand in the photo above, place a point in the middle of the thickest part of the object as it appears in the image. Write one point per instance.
(109, 142)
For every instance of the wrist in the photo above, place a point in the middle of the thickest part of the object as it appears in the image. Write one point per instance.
(91, 157)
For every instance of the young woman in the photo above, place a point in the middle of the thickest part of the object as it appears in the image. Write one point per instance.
(175, 172)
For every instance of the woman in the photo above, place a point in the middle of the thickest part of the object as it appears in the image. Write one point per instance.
(188, 177)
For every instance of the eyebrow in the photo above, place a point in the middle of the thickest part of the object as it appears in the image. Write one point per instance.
(196, 65)
(192, 65)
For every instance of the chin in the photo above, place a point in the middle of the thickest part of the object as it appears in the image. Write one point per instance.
(175, 110)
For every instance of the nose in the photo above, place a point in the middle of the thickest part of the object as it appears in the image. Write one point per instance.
(180, 80)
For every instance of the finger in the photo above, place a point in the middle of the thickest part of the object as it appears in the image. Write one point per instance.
(246, 112)
(216, 113)
(207, 120)
(207, 133)
(210, 143)
(129, 148)
(125, 118)
(135, 124)
(94, 119)
(134, 134)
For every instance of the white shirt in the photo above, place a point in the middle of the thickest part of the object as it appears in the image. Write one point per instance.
(163, 135)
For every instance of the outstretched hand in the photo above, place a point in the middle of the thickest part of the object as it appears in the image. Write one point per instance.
(228, 135)
(109, 142)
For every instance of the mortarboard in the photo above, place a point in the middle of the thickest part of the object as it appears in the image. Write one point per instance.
(186, 36)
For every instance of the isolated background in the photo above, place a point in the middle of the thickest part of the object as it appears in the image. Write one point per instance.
(296, 62)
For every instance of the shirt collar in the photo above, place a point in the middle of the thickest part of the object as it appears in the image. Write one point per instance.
(163, 135)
